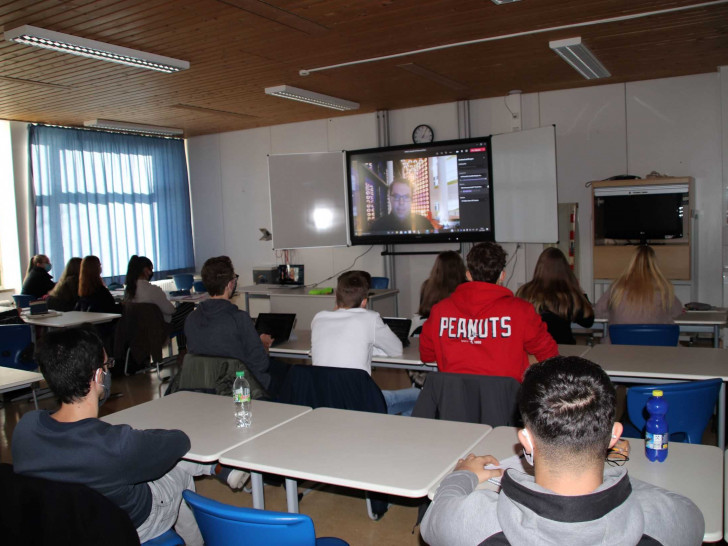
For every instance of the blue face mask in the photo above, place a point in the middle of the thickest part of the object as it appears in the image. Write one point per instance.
(47, 266)
(106, 384)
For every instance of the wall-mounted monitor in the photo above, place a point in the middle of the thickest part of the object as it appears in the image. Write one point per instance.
(421, 193)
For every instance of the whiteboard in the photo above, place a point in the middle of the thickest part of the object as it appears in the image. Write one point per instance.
(308, 200)
(524, 186)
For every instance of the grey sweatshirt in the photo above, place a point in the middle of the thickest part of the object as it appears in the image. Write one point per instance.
(621, 511)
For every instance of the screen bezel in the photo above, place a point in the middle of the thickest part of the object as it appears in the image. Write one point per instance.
(414, 238)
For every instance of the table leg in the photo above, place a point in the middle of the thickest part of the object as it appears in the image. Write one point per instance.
(292, 495)
(247, 302)
(35, 397)
(716, 336)
(256, 479)
(721, 416)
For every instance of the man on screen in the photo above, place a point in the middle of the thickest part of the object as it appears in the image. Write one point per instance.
(401, 217)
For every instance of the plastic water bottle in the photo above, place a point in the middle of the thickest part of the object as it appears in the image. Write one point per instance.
(241, 397)
(656, 436)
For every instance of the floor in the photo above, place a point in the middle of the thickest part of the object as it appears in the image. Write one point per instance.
(335, 511)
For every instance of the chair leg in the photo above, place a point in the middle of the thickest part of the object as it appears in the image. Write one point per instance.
(126, 361)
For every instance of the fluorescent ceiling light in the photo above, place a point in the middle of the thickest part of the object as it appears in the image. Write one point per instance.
(580, 58)
(294, 93)
(499, 2)
(133, 127)
(67, 43)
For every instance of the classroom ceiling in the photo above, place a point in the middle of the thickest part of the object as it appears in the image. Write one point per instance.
(236, 48)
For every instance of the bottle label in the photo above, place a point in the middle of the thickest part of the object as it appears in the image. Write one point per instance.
(240, 396)
(656, 441)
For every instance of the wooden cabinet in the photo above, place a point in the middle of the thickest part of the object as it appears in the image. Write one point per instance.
(611, 256)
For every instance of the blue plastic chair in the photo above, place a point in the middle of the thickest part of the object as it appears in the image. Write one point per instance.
(644, 334)
(22, 300)
(690, 407)
(14, 338)
(222, 525)
(199, 287)
(170, 538)
(380, 282)
(183, 281)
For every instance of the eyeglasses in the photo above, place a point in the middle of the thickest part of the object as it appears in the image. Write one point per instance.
(614, 458)
(401, 198)
(110, 362)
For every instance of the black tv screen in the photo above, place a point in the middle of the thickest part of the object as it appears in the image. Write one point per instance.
(421, 193)
(640, 217)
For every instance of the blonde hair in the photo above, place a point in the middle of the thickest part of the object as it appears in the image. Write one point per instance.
(637, 284)
(554, 288)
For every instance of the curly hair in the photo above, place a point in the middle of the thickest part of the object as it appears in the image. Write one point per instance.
(486, 261)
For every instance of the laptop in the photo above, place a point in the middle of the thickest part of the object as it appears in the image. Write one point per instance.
(400, 327)
(291, 275)
(277, 325)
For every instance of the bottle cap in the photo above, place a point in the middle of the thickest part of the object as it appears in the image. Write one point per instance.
(240, 374)
(656, 393)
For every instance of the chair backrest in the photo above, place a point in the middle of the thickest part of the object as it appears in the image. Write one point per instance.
(36, 511)
(690, 406)
(142, 329)
(14, 339)
(469, 398)
(326, 387)
(380, 282)
(644, 334)
(199, 287)
(222, 524)
(183, 281)
(214, 374)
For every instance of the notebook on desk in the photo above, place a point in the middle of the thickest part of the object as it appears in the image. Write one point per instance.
(400, 327)
(277, 325)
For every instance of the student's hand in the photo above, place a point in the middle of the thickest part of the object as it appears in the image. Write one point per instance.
(476, 466)
(266, 340)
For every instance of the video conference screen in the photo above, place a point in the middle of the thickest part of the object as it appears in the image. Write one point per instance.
(421, 193)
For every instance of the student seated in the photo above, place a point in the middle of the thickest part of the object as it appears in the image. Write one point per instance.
(38, 282)
(65, 294)
(348, 336)
(218, 328)
(568, 410)
(139, 470)
(92, 292)
(482, 328)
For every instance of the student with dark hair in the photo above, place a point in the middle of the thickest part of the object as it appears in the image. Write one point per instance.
(38, 282)
(218, 328)
(65, 294)
(568, 410)
(557, 297)
(92, 292)
(482, 328)
(448, 272)
(139, 470)
(351, 334)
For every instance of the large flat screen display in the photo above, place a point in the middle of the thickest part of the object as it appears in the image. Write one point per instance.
(421, 193)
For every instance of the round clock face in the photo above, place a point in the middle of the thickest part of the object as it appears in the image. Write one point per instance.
(422, 134)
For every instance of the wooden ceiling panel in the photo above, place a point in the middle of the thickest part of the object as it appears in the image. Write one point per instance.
(238, 47)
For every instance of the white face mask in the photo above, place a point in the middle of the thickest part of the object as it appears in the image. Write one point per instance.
(528, 456)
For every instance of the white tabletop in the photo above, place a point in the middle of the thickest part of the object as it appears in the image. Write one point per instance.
(70, 318)
(692, 470)
(706, 318)
(391, 454)
(11, 379)
(207, 419)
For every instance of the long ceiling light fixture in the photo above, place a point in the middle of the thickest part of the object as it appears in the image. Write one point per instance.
(580, 58)
(67, 43)
(133, 127)
(319, 99)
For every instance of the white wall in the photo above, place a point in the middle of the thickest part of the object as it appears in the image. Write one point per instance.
(671, 126)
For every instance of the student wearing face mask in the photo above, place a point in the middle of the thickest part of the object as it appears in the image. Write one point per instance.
(38, 282)
(568, 409)
(139, 470)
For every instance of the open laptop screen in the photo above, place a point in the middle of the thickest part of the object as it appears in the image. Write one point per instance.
(277, 325)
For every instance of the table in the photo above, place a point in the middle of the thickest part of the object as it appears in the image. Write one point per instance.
(12, 379)
(207, 419)
(391, 454)
(297, 300)
(689, 322)
(699, 483)
(645, 364)
(70, 319)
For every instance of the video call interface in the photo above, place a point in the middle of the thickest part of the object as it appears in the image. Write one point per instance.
(447, 189)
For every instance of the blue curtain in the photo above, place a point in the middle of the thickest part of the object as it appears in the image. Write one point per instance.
(111, 195)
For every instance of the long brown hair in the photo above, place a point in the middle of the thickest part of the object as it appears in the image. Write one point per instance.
(447, 273)
(637, 284)
(90, 278)
(554, 288)
(69, 278)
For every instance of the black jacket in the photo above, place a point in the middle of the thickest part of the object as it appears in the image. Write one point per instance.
(37, 283)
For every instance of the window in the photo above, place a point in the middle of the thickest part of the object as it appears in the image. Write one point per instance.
(111, 195)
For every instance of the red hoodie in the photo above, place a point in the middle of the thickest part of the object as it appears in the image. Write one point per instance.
(482, 328)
